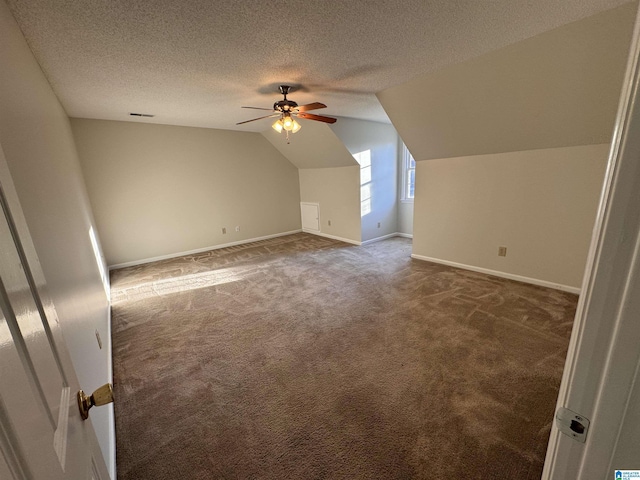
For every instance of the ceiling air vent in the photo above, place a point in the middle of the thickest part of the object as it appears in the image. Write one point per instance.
(148, 115)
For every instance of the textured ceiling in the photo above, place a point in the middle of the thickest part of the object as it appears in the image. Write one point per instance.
(196, 62)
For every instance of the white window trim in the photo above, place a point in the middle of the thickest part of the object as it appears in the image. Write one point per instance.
(406, 155)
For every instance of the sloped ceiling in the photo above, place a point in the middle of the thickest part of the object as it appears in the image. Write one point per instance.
(196, 62)
(558, 89)
(314, 146)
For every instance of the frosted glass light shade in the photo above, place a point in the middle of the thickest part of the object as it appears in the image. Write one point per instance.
(287, 122)
(277, 126)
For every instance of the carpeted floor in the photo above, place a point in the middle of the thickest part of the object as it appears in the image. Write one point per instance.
(302, 357)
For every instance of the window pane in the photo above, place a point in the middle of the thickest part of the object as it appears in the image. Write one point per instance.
(365, 175)
(411, 183)
(408, 174)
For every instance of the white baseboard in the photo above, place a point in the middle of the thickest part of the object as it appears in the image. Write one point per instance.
(383, 237)
(199, 250)
(377, 239)
(333, 237)
(354, 242)
(495, 273)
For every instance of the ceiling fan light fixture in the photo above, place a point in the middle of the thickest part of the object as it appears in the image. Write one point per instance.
(287, 110)
(287, 122)
(278, 126)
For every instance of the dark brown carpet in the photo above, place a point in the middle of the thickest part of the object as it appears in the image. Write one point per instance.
(306, 358)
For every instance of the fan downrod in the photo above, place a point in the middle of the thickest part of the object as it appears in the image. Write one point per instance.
(284, 89)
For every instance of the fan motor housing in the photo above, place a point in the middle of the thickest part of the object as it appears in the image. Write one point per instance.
(284, 105)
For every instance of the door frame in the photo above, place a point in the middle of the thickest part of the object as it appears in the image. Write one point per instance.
(603, 359)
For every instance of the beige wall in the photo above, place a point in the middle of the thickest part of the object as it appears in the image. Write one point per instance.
(337, 190)
(159, 190)
(557, 89)
(511, 148)
(38, 145)
(380, 180)
(540, 204)
(405, 217)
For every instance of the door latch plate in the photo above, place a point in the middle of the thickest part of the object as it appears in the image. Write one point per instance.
(572, 424)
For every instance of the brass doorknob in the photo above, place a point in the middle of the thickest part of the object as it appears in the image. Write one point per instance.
(101, 396)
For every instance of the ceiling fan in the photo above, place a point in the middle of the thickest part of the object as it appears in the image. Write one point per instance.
(287, 110)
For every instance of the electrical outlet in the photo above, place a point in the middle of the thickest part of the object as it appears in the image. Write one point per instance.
(378, 224)
(329, 222)
(224, 230)
(502, 251)
(237, 229)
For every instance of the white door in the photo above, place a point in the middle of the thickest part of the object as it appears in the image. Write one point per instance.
(602, 372)
(42, 435)
(310, 217)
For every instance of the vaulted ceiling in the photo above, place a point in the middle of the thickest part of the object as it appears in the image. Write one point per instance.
(196, 62)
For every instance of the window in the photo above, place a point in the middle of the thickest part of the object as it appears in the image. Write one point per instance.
(364, 159)
(408, 175)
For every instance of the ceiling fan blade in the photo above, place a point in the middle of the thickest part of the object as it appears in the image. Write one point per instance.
(259, 118)
(309, 106)
(319, 118)
(260, 108)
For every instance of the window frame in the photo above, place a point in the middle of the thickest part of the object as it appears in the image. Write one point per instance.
(406, 169)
